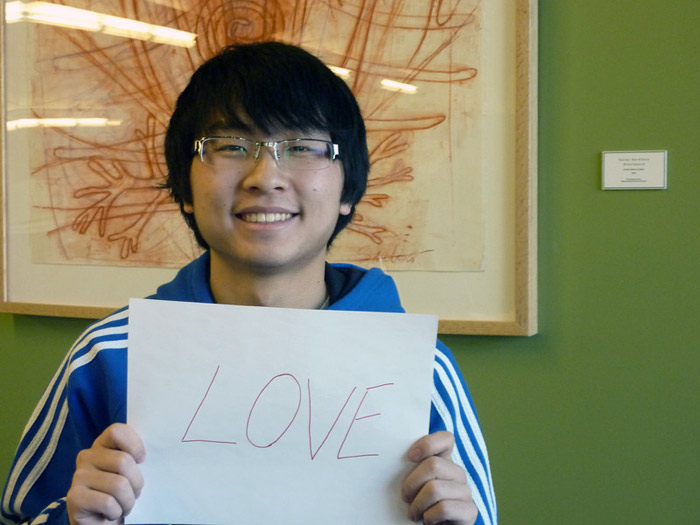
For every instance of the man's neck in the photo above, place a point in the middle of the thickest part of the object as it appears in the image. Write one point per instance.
(299, 288)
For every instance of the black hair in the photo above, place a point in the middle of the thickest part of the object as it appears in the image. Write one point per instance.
(275, 85)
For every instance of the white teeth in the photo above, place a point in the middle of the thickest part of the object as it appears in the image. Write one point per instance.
(266, 217)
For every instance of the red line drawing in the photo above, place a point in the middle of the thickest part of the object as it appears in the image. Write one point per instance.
(183, 440)
(355, 418)
(247, 426)
(312, 454)
(98, 189)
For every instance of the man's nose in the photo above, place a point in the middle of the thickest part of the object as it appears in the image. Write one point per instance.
(265, 175)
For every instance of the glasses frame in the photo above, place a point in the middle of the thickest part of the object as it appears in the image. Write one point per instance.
(259, 144)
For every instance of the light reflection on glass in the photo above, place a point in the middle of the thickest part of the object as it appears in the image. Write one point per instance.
(92, 122)
(65, 16)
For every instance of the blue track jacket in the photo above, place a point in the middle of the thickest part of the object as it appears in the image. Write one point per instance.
(88, 393)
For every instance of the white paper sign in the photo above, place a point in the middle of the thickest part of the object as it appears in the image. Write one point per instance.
(266, 415)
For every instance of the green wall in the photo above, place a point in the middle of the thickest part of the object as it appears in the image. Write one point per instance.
(597, 418)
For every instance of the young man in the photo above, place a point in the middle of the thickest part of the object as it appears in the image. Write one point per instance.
(267, 158)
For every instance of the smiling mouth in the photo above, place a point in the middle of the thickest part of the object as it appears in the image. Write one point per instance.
(265, 217)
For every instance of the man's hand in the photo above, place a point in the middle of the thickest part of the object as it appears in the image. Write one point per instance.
(436, 489)
(107, 478)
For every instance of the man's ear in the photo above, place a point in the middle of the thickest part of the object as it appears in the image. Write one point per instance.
(345, 208)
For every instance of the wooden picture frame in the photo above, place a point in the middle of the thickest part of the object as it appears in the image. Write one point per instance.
(511, 270)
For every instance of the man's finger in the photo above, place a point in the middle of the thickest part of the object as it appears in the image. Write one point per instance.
(452, 511)
(122, 437)
(437, 444)
(431, 469)
(90, 506)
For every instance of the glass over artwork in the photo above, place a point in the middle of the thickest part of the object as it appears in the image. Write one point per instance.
(91, 84)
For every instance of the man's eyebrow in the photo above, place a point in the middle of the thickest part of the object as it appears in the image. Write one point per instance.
(222, 129)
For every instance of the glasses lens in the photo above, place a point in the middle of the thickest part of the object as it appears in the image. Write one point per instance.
(304, 154)
(228, 152)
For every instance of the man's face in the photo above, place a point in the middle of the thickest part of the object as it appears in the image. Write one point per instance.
(267, 219)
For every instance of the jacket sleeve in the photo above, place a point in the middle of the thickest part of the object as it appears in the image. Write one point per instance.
(453, 410)
(86, 395)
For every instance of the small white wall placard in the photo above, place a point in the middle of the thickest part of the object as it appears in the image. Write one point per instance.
(634, 170)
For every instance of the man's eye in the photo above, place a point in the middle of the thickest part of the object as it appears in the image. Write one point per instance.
(231, 149)
(305, 150)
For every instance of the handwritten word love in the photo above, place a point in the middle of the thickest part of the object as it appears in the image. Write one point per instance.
(295, 387)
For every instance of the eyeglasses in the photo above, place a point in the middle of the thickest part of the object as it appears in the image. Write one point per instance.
(238, 153)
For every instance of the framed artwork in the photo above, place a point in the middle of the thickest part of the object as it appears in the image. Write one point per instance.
(447, 89)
